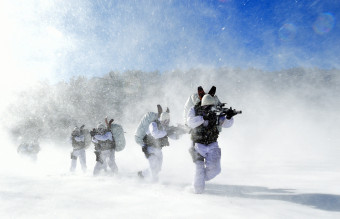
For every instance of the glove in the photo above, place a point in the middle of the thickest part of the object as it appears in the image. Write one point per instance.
(209, 115)
(93, 132)
(230, 113)
(205, 123)
(206, 116)
(145, 151)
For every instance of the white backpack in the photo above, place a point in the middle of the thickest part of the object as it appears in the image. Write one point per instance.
(144, 125)
(87, 137)
(118, 136)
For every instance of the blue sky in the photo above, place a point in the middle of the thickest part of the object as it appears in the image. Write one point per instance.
(84, 37)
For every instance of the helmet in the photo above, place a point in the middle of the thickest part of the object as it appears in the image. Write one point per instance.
(101, 128)
(76, 131)
(164, 116)
(208, 100)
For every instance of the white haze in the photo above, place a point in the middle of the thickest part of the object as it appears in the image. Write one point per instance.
(279, 160)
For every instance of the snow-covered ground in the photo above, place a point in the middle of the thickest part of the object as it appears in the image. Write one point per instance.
(250, 186)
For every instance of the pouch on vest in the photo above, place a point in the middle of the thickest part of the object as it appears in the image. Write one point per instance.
(143, 126)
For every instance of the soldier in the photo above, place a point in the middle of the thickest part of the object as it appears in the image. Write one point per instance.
(104, 149)
(206, 126)
(79, 144)
(152, 135)
(29, 150)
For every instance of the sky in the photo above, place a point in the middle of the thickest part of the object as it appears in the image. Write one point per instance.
(56, 40)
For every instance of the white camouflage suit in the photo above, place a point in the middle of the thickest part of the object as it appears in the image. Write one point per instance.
(106, 156)
(211, 166)
(156, 156)
(78, 152)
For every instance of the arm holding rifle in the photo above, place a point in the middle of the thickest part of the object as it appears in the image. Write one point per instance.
(176, 131)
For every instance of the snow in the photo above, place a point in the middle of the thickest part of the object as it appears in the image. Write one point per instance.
(280, 159)
(244, 189)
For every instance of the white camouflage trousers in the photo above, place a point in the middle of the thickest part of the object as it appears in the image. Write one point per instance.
(209, 168)
(155, 163)
(108, 159)
(82, 159)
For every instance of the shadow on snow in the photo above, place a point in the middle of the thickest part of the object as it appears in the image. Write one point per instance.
(326, 202)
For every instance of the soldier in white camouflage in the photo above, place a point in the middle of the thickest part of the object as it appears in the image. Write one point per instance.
(78, 140)
(104, 149)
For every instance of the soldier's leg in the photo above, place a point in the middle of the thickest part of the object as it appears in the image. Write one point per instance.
(152, 171)
(146, 172)
(157, 166)
(82, 159)
(112, 161)
(97, 168)
(105, 156)
(155, 163)
(199, 180)
(99, 164)
(73, 162)
(213, 163)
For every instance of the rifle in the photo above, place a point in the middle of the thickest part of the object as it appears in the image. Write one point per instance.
(217, 111)
(93, 132)
(220, 111)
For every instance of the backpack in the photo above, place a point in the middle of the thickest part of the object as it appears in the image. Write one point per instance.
(87, 137)
(118, 136)
(143, 126)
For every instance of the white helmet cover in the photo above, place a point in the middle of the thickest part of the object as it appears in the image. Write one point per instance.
(76, 131)
(164, 116)
(207, 100)
(101, 126)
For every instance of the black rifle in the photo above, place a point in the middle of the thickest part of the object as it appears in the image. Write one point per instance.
(93, 132)
(217, 111)
(221, 111)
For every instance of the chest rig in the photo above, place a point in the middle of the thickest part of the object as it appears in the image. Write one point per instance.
(77, 144)
(105, 145)
(205, 134)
